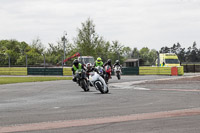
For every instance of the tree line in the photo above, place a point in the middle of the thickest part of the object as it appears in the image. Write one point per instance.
(191, 54)
(87, 42)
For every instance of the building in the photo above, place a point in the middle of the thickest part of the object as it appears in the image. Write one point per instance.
(133, 63)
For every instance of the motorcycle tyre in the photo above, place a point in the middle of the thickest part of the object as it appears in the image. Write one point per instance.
(106, 78)
(107, 90)
(100, 88)
(84, 85)
(118, 76)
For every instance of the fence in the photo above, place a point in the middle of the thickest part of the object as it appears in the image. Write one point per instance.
(191, 67)
(159, 71)
(130, 71)
(66, 71)
(45, 71)
(32, 61)
(13, 71)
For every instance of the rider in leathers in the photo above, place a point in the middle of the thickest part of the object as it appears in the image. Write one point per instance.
(98, 62)
(108, 63)
(76, 66)
(117, 63)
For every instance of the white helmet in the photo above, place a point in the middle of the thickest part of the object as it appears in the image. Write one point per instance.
(88, 66)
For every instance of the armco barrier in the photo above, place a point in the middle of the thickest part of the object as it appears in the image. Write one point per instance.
(158, 71)
(130, 70)
(181, 70)
(45, 71)
(125, 71)
(13, 71)
(67, 71)
(191, 67)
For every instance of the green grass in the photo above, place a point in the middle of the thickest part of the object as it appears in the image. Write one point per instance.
(10, 80)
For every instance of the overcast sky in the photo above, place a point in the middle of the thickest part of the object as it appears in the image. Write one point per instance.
(134, 23)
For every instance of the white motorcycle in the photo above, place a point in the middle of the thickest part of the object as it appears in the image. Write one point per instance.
(100, 71)
(98, 82)
(118, 71)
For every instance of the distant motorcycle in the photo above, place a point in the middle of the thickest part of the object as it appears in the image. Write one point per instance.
(117, 71)
(98, 82)
(108, 71)
(82, 80)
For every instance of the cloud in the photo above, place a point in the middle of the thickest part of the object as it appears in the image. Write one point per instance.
(138, 23)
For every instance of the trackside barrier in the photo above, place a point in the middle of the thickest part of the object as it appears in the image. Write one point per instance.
(67, 71)
(130, 70)
(191, 67)
(125, 71)
(45, 71)
(13, 71)
(181, 70)
(159, 71)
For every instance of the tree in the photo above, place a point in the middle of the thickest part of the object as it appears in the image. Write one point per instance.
(36, 52)
(144, 53)
(116, 51)
(135, 53)
(102, 49)
(192, 53)
(152, 57)
(181, 55)
(165, 50)
(87, 39)
(127, 52)
(15, 50)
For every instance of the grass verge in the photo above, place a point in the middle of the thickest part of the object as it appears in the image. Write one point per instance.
(10, 80)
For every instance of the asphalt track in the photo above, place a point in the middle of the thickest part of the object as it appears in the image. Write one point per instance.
(135, 104)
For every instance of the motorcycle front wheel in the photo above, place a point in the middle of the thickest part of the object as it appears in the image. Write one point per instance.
(84, 85)
(118, 76)
(101, 89)
(106, 78)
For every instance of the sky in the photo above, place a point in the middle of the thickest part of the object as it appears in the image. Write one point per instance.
(134, 23)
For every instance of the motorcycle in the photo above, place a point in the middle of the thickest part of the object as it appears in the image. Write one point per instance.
(82, 80)
(100, 71)
(117, 70)
(98, 82)
(108, 73)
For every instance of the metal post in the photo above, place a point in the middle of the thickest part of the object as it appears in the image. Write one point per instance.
(44, 60)
(64, 48)
(26, 61)
(158, 61)
(62, 62)
(64, 39)
(9, 59)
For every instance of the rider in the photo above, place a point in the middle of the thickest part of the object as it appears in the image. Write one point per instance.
(98, 62)
(108, 63)
(89, 69)
(76, 66)
(117, 63)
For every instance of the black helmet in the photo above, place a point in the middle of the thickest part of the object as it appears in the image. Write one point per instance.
(117, 61)
(109, 61)
(75, 62)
